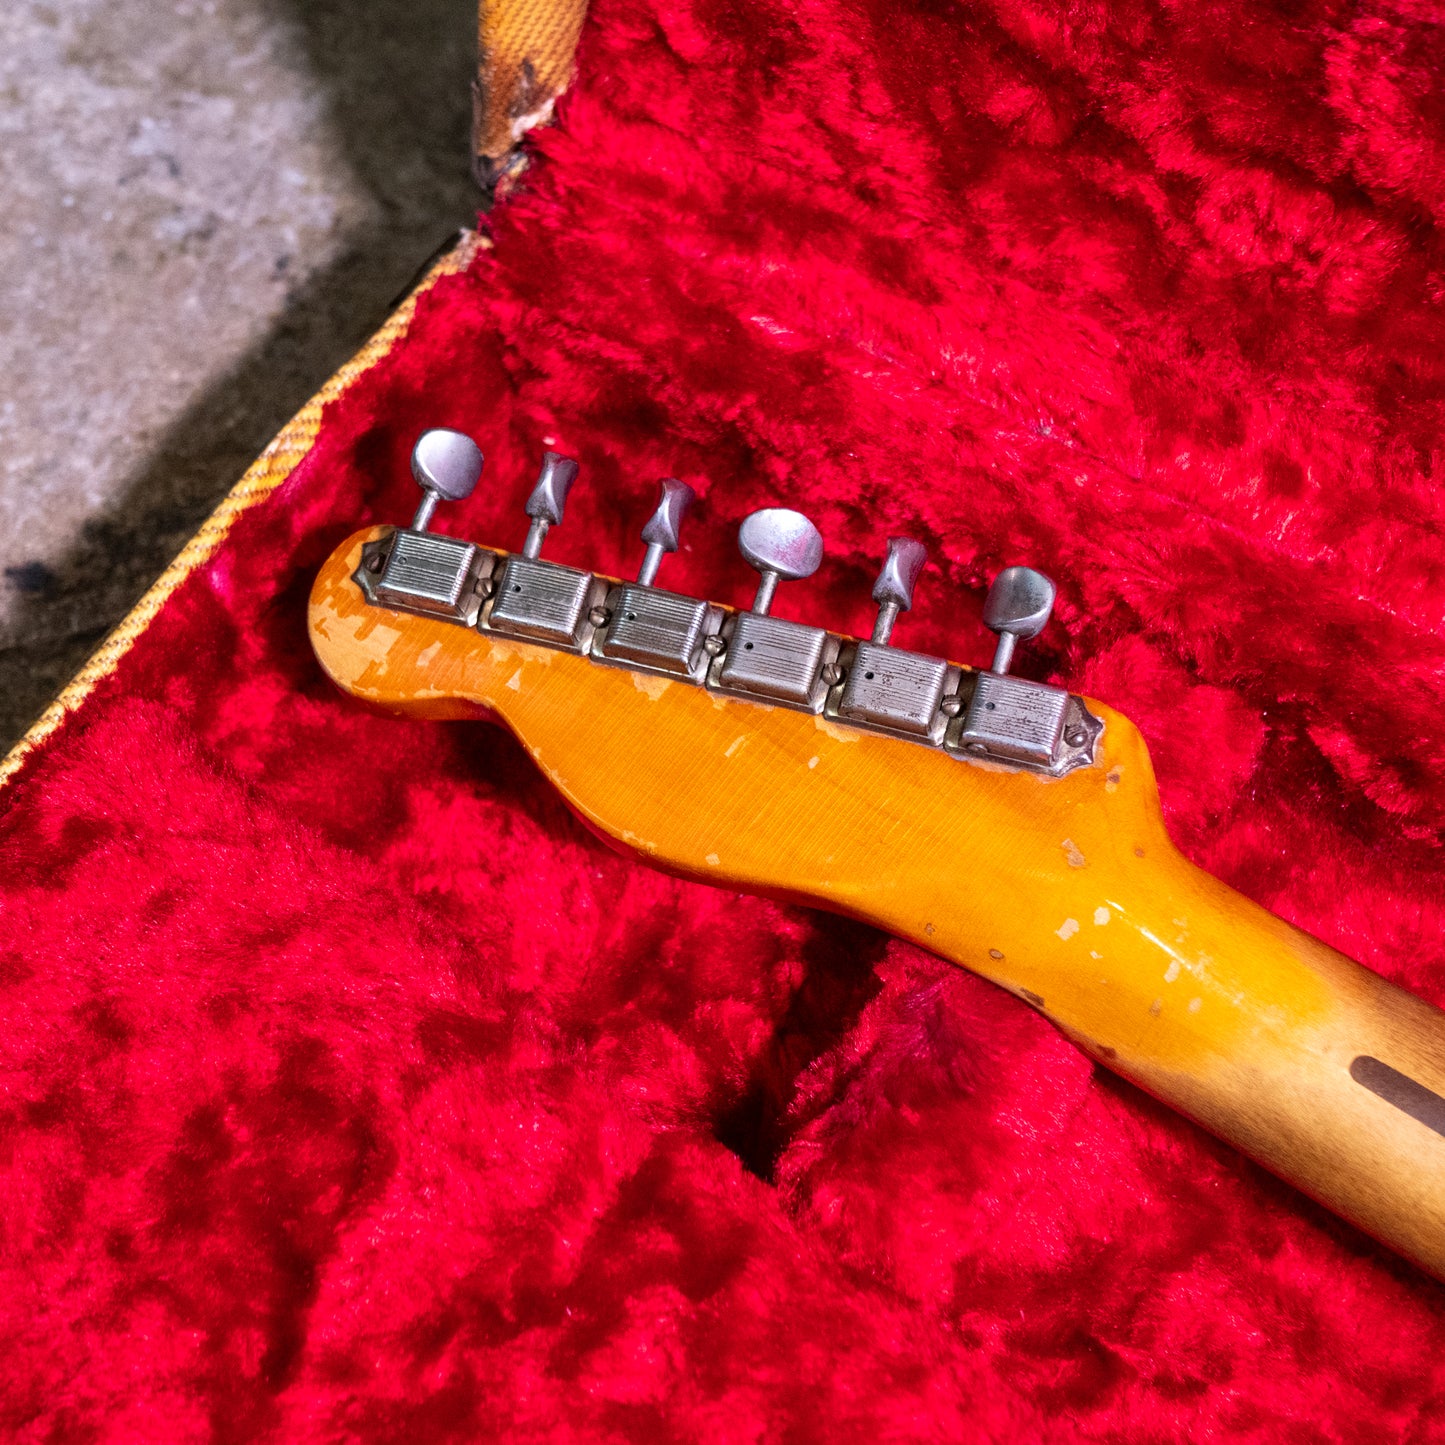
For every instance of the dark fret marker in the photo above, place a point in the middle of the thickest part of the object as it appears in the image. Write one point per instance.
(1400, 1090)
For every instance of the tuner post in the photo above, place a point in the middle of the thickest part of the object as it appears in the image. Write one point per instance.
(662, 531)
(548, 499)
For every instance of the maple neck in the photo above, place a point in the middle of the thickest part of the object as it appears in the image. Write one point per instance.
(1061, 887)
(1315, 1067)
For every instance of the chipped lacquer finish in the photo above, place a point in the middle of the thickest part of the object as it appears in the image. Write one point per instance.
(1067, 892)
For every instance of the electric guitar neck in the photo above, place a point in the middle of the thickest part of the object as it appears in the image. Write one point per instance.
(1011, 827)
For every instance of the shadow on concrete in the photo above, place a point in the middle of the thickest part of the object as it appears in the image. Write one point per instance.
(396, 76)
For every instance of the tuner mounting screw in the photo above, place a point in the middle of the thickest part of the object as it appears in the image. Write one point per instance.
(832, 674)
(486, 587)
(599, 617)
(1076, 737)
(374, 562)
(714, 645)
(951, 706)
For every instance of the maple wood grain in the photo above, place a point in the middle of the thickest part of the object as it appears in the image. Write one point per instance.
(1066, 892)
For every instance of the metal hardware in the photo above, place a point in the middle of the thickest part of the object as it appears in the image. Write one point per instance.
(423, 573)
(1014, 720)
(895, 691)
(1028, 724)
(774, 661)
(893, 591)
(990, 715)
(544, 602)
(780, 544)
(767, 658)
(1017, 606)
(418, 570)
(657, 631)
(447, 466)
(548, 499)
(1010, 719)
(889, 690)
(428, 573)
(661, 532)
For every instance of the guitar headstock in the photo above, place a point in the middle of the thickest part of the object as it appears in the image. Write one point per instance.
(1011, 827)
(735, 746)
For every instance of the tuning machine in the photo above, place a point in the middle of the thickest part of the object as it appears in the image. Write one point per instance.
(538, 600)
(1010, 719)
(884, 687)
(766, 657)
(647, 628)
(990, 715)
(417, 570)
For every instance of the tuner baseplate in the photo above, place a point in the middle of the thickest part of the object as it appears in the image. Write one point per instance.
(655, 631)
(426, 573)
(964, 713)
(896, 691)
(542, 602)
(770, 660)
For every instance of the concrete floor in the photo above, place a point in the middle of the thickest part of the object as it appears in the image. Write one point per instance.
(207, 206)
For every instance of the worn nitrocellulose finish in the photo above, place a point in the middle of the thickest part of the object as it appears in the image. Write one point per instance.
(353, 1088)
(1250, 1026)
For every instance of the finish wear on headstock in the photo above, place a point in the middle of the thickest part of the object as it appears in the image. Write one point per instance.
(1006, 825)
(989, 716)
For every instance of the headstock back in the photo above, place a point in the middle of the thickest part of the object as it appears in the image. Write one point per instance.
(1007, 826)
(778, 793)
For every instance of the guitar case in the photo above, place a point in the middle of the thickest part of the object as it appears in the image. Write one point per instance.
(352, 1089)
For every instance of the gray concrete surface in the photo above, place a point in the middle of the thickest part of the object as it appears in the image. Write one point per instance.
(205, 207)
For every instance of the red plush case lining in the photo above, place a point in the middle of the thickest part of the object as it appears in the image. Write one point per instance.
(352, 1089)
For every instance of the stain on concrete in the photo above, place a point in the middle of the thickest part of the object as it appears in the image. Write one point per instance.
(209, 205)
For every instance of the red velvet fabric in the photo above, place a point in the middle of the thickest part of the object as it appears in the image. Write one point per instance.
(353, 1090)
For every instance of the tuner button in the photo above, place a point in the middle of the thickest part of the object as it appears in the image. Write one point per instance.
(661, 532)
(1018, 605)
(447, 466)
(893, 591)
(780, 544)
(548, 499)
